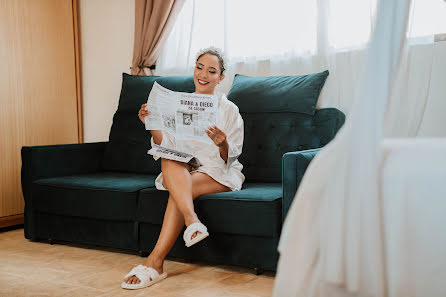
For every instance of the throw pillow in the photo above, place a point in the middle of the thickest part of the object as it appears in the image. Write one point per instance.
(297, 93)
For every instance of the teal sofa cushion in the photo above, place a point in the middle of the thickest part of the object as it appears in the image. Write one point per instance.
(297, 93)
(129, 141)
(105, 195)
(255, 210)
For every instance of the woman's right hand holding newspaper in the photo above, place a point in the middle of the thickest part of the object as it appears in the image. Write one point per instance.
(143, 112)
(156, 134)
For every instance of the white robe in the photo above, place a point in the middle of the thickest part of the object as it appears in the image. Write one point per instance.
(226, 173)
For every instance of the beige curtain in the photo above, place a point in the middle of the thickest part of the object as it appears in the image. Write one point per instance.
(154, 20)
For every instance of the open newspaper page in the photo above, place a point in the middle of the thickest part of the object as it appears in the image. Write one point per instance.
(185, 116)
(172, 154)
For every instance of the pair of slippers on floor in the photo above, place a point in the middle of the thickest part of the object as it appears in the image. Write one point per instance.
(149, 276)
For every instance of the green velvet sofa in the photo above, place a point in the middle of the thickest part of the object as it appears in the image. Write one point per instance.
(104, 194)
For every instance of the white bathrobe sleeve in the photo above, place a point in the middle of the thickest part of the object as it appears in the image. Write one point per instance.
(234, 131)
(168, 141)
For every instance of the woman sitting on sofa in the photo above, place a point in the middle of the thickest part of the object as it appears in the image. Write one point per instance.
(220, 171)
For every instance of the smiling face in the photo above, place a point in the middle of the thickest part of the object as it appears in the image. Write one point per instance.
(207, 74)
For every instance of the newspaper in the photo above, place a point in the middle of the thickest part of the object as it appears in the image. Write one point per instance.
(185, 116)
(172, 154)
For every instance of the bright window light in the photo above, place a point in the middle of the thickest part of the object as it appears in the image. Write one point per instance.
(253, 28)
(208, 24)
(269, 28)
(350, 22)
(265, 29)
(428, 17)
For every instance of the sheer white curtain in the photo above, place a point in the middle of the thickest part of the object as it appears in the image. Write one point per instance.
(333, 240)
(368, 217)
(259, 37)
(288, 37)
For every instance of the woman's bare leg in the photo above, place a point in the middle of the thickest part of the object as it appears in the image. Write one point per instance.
(174, 221)
(177, 179)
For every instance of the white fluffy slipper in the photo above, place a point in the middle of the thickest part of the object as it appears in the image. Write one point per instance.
(187, 236)
(147, 276)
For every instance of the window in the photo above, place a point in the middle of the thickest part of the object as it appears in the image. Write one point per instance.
(350, 22)
(260, 29)
(254, 28)
(428, 17)
(269, 28)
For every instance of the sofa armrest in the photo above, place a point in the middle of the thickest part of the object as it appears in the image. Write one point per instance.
(59, 160)
(294, 165)
(55, 160)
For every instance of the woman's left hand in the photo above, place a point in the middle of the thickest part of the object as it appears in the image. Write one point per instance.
(217, 136)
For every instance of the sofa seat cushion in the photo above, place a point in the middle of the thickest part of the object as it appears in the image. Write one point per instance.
(255, 210)
(104, 195)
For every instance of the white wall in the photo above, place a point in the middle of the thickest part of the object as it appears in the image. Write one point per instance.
(106, 48)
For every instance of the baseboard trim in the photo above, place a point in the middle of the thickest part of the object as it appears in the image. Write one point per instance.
(12, 220)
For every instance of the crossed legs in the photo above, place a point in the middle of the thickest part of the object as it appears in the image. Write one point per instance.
(184, 186)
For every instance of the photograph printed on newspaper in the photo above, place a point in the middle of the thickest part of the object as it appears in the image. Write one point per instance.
(185, 116)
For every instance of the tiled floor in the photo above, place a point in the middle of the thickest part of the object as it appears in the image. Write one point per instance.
(40, 269)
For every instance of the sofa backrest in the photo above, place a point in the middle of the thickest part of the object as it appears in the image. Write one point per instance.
(280, 116)
(270, 135)
(129, 140)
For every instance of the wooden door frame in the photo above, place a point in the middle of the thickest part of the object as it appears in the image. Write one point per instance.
(80, 126)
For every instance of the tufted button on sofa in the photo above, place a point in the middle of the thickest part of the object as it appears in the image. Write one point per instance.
(104, 194)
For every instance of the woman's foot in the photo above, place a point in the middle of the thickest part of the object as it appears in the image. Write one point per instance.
(190, 220)
(150, 262)
(195, 233)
